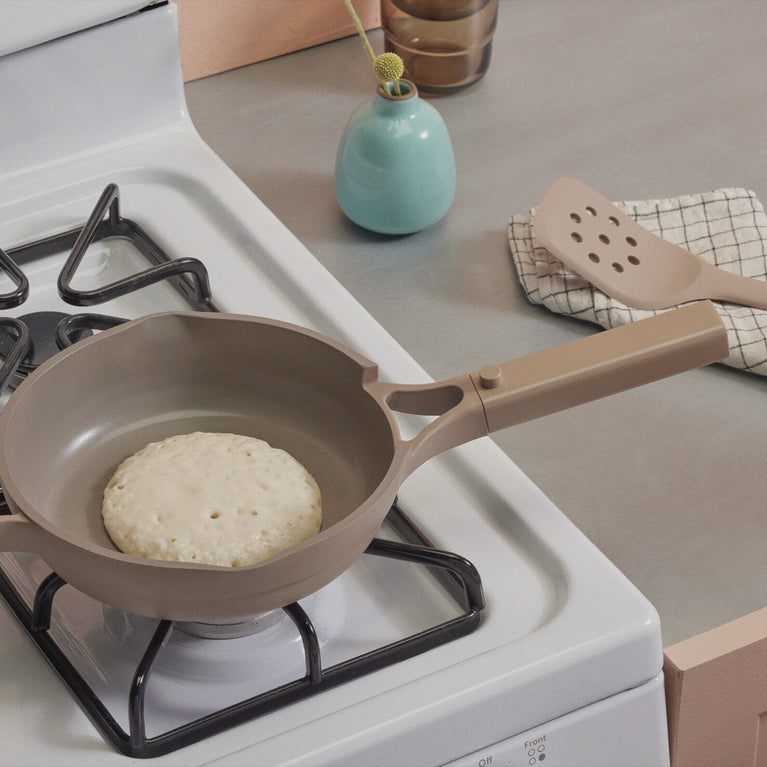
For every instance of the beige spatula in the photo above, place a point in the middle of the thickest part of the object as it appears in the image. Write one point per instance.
(609, 249)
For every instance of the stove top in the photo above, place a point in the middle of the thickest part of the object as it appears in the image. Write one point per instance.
(561, 628)
(94, 647)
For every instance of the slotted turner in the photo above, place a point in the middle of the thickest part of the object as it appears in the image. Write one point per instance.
(609, 249)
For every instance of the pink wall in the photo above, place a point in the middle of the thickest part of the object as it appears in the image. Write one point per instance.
(217, 35)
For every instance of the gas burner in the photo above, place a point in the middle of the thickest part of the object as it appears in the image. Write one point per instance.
(235, 629)
(123, 625)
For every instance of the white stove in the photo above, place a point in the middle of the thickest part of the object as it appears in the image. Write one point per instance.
(560, 664)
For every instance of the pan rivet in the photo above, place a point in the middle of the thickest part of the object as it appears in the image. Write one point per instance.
(490, 377)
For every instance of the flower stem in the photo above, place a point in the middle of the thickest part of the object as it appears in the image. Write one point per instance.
(360, 28)
(375, 59)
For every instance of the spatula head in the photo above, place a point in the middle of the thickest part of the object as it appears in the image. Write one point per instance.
(612, 251)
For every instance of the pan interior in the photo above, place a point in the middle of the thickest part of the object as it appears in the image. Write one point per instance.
(77, 418)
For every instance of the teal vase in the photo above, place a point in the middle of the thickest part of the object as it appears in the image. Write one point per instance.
(395, 168)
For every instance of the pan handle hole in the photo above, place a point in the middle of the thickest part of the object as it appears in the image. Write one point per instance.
(594, 258)
(591, 211)
(633, 260)
(631, 241)
(604, 239)
(425, 401)
(214, 514)
(618, 267)
(575, 217)
(576, 236)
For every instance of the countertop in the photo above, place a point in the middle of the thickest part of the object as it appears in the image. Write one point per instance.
(639, 99)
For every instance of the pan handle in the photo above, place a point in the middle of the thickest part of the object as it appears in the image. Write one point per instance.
(499, 396)
(602, 364)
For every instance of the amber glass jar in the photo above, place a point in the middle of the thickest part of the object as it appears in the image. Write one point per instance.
(445, 44)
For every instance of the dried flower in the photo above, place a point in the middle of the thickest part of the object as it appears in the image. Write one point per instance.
(388, 67)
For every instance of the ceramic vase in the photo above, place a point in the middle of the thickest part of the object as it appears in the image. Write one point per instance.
(395, 168)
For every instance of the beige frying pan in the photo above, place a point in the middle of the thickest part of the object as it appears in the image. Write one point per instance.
(70, 424)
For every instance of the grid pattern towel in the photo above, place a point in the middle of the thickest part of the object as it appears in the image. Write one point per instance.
(727, 227)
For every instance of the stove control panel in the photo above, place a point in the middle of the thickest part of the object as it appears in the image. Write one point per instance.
(616, 732)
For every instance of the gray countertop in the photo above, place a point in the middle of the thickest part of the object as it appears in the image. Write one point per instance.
(639, 99)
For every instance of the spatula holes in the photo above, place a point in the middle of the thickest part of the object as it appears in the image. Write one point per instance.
(576, 236)
(631, 241)
(604, 239)
(593, 257)
(591, 211)
(214, 514)
(575, 217)
(614, 221)
(617, 267)
(633, 260)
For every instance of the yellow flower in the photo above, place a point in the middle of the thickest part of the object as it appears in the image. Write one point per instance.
(388, 67)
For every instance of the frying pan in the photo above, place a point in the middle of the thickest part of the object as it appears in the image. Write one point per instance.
(68, 426)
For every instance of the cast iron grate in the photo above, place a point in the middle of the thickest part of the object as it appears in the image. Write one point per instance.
(456, 575)
(28, 340)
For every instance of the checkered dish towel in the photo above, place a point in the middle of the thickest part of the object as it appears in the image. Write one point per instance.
(727, 227)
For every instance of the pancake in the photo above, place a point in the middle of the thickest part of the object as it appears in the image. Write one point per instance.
(209, 498)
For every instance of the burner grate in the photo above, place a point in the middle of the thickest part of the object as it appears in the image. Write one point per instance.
(457, 575)
(188, 275)
(48, 332)
(20, 293)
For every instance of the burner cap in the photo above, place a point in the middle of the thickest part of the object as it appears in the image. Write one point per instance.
(232, 629)
(42, 333)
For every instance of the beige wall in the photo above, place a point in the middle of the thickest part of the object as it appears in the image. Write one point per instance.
(217, 35)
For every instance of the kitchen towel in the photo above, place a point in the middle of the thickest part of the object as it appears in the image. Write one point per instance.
(727, 227)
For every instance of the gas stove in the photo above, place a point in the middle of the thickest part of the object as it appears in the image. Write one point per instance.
(489, 630)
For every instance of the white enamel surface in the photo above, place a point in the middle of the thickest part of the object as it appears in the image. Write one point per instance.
(26, 23)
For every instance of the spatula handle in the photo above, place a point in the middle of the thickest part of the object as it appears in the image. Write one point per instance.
(733, 288)
(602, 364)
